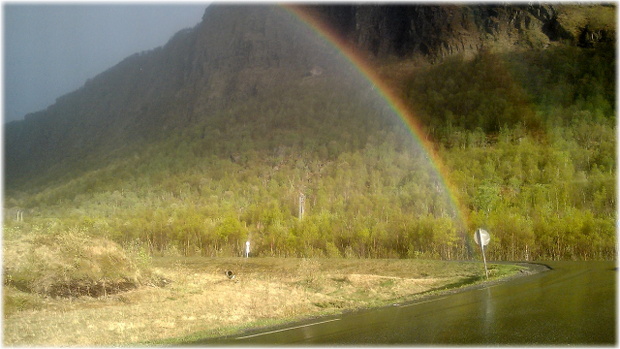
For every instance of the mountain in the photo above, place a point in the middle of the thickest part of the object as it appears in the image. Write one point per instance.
(198, 72)
(222, 128)
(238, 51)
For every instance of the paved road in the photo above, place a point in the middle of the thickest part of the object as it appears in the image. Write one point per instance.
(574, 303)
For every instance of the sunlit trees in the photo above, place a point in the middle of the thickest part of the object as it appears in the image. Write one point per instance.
(530, 154)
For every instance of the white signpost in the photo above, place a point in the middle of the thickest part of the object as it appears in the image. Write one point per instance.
(302, 201)
(483, 238)
(247, 249)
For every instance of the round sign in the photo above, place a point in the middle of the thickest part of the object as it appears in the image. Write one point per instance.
(484, 236)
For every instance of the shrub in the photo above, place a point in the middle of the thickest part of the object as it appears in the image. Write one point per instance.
(71, 264)
(309, 270)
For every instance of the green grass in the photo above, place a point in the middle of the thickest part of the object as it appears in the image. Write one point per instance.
(17, 301)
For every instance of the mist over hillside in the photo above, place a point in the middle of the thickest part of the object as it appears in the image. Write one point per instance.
(213, 138)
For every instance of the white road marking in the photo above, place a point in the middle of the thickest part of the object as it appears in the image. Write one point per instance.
(286, 329)
(428, 301)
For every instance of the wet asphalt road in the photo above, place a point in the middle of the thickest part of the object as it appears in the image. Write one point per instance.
(572, 304)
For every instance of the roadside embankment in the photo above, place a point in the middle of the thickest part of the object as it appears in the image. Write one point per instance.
(202, 301)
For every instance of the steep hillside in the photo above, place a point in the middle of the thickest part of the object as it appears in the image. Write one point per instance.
(219, 135)
(234, 54)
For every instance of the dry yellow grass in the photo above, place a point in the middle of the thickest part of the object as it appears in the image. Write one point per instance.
(70, 264)
(202, 299)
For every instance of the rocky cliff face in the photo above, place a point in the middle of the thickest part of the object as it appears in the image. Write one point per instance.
(434, 32)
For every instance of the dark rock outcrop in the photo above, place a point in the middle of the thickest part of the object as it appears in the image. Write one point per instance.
(434, 32)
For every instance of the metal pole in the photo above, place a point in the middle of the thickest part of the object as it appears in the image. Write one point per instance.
(484, 258)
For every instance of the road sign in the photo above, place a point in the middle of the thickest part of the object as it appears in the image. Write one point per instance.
(483, 235)
(483, 238)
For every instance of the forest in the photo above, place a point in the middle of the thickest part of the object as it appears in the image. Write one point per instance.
(527, 140)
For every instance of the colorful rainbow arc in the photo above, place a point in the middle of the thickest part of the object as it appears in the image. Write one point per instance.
(393, 101)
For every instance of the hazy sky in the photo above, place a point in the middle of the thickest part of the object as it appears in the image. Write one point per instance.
(52, 49)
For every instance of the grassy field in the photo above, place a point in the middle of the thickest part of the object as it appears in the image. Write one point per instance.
(200, 301)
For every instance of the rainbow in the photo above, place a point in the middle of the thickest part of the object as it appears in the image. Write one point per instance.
(395, 103)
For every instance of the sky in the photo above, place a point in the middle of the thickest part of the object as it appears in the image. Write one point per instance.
(52, 49)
